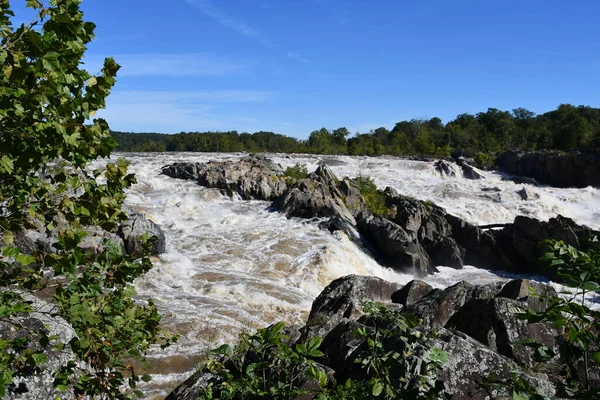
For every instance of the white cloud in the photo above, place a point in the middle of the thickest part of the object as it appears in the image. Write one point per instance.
(157, 64)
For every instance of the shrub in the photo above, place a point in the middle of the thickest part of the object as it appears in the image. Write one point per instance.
(296, 172)
(46, 144)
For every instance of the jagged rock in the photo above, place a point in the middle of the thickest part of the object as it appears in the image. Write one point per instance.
(469, 172)
(137, 226)
(412, 292)
(438, 306)
(445, 168)
(252, 177)
(193, 387)
(343, 299)
(534, 295)
(395, 246)
(526, 195)
(573, 169)
(495, 323)
(316, 196)
(470, 365)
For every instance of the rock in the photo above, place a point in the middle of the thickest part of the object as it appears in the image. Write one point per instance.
(438, 306)
(495, 323)
(521, 180)
(28, 385)
(316, 196)
(193, 387)
(411, 293)
(470, 365)
(534, 295)
(396, 247)
(132, 231)
(573, 169)
(252, 177)
(491, 189)
(343, 299)
(469, 172)
(445, 168)
(526, 195)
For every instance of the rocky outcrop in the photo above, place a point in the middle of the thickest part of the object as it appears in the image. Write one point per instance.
(458, 168)
(254, 177)
(477, 326)
(138, 227)
(403, 233)
(573, 169)
(316, 196)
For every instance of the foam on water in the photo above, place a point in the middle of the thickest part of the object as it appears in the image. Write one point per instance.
(233, 265)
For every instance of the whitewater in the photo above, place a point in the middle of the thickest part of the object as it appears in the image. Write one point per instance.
(233, 265)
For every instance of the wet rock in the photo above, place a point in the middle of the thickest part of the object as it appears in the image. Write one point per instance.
(445, 168)
(193, 387)
(469, 172)
(521, 180)
(527, 195)
(491, 189)
(395, 246)
(411, 293)
(573, 169)
(135, 228)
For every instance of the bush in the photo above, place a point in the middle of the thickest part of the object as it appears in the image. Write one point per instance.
(296, 172)
(45, 147)
(374, 198)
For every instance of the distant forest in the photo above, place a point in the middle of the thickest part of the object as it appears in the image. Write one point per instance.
(566, 128)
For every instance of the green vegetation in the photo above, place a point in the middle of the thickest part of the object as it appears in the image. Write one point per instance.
(296, 173)
(580, 270)
(266, 365)
(374, 198)
(45, 147)
(568, 127)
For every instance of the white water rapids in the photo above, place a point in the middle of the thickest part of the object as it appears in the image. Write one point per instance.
(232, 265)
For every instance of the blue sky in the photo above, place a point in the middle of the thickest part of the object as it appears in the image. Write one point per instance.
(293, 66)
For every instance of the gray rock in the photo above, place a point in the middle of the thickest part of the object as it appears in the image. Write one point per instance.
(29, 385)
(411, 293)
(135, 228)
(343, 299)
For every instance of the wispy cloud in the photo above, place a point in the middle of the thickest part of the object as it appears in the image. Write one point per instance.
(174, 111)
(177, 65)
(227, 21)
(381, 28)
(297, 56)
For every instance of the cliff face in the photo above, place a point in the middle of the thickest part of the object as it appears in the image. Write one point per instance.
(574, 169)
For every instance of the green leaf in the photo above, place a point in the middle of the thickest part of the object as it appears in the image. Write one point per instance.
(146, 378)
(597, 357)
(377, 389)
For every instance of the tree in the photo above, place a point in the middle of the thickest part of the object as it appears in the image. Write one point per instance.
(46, 145)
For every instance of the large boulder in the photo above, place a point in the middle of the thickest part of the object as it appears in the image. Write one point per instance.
(573, 169)
(343, 299)
(135, 229)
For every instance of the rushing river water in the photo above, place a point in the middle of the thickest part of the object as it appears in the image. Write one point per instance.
(233, 265)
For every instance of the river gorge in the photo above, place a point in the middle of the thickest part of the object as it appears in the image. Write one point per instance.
(234, 265)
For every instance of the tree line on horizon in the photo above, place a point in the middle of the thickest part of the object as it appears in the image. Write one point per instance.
(566, 128)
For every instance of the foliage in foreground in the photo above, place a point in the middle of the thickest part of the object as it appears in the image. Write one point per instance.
(581, 271)
(46, 145)
(394, 363)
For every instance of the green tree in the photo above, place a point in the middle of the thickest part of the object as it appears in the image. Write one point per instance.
(46, 145)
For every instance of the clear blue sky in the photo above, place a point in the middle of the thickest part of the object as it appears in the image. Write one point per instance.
(293, 66)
